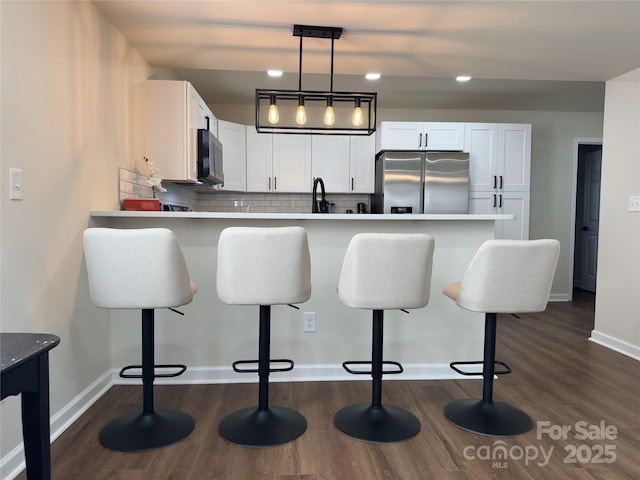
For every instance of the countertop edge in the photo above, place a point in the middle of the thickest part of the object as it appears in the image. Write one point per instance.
(300, 216)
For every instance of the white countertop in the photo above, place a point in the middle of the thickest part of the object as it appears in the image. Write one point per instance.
(300, 216)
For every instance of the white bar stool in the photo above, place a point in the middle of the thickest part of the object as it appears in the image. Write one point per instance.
(140, 269)
(383, 271)
(263, 266)
(504, 276)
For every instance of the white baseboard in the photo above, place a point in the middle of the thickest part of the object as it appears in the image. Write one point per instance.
(301, 373)
(616, 344)
(559, 297)
(13, 463)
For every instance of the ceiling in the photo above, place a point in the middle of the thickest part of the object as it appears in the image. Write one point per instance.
(522, 55)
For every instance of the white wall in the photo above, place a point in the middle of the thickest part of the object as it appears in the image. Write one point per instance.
(617, 322)
(551, 164)
(67, 122)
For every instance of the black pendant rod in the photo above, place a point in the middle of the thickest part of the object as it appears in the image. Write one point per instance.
(300, 67)
(331, 88)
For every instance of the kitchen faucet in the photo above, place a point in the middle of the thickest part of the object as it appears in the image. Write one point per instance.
(319, 206)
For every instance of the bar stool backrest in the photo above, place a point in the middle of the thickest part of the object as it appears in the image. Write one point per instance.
(136, 268)
(387, 271)
(263, 266)
(509, 276)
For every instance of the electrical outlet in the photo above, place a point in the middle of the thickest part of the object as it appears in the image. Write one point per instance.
(15, 184)
(309, 322)
(634, 203)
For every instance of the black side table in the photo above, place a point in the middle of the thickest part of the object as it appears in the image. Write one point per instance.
(25, 369)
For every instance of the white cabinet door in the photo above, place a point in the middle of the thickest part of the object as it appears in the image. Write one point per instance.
(443, 136)
(399, 135)
(481, 141)
(514, 157)
(330, 161)
(514, 203)
(233, 139)
(362, 163)
(292, 163)
(259, 160)
(499, 156)
(421, 136)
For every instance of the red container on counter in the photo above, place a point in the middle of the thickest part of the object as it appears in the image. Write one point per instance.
(141, 204)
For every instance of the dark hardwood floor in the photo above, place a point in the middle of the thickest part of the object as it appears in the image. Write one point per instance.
(560, 378)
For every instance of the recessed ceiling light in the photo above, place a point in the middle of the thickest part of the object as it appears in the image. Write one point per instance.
(372, 76)
(463, 78)
(274, 73)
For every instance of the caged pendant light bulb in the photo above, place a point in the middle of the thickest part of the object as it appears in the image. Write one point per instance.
(301, 113)
(357, 118)
(329, 115)
(274, 116)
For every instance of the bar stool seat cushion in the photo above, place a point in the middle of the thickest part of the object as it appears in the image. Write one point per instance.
(263, 266)
(386, 271)
(136, 268)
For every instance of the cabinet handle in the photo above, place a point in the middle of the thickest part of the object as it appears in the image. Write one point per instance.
(500, 204)
(352, 184)
(495, 183)
(500, 182)
(275, 183)
(494, 200)
(426, 140)
(420, 141)
(269, 183)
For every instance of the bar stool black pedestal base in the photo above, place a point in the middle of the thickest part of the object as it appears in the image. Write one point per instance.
(252, 427)
(495, 419)
(382, 425)
(138, 431)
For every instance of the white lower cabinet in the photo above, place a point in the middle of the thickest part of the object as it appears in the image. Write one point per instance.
(514, 203)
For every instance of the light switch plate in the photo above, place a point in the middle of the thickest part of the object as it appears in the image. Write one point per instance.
(634, 203)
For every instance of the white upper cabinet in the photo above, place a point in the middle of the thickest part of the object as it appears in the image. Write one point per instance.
(514, 157)
(330, 161)
(234, 148)
(278, 162)
(174, 112)
(346, 164)
(500, 156)
(291, 163)
(259, 160)
(421, 136)
(362, 164)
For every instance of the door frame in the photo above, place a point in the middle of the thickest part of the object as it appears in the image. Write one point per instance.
(577, 141)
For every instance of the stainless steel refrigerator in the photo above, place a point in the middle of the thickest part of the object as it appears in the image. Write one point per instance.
(421, 182)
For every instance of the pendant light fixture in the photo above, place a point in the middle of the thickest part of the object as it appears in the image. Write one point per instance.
(315, 112)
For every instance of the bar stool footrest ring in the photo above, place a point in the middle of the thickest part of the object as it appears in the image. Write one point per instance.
(181, 369)
(506, 368)
(346, 365)
(287, 361)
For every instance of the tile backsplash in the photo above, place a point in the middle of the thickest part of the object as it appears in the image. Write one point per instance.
(132, 184)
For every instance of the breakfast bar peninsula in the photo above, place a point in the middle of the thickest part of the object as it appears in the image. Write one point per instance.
(211, 335)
